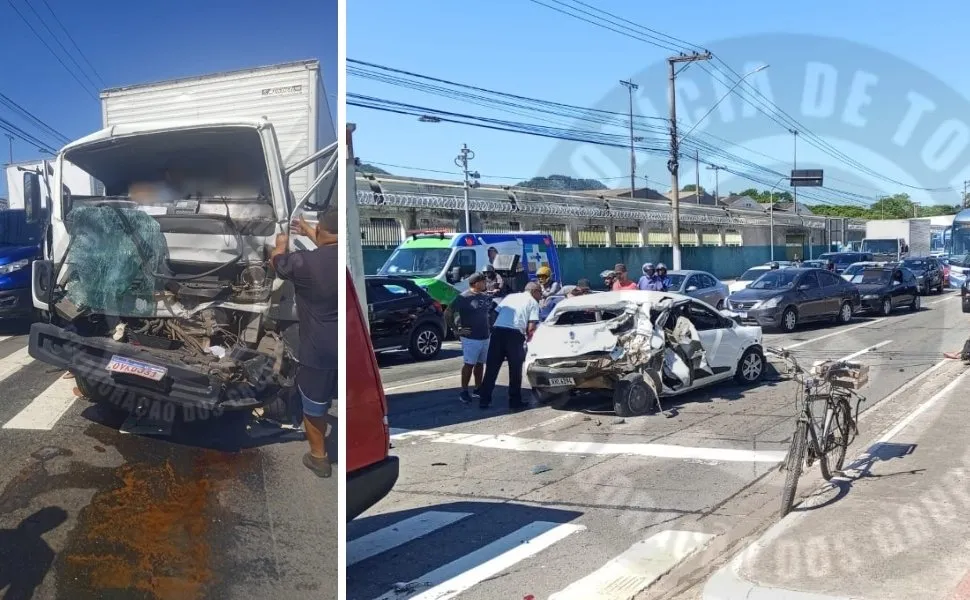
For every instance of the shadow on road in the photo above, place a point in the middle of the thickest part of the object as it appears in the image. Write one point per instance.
(856, 472)
(486, 528)
(25, 558)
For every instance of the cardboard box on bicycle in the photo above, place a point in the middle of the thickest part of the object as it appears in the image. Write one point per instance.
(854, 376)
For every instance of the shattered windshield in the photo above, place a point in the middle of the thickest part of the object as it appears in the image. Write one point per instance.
(416, 261)
(774, 280)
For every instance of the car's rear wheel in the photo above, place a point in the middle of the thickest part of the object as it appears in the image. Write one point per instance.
(789, 319)
(751, 367)
(633, 396)
(916, 303)
(425, 342)
(845, 313)
(887, 306)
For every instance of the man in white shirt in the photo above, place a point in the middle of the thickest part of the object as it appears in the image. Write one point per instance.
(518, 316)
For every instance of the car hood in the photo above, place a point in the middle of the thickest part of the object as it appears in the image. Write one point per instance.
(872, 288)
(737, 286)
(749, 294)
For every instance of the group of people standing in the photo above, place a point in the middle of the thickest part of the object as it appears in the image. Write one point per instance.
(653, 278)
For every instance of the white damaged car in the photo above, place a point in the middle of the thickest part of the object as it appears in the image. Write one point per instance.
(640, 346)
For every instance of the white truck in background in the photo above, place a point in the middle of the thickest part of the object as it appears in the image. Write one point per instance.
(894, 239)
(160, 288)
(22, 175)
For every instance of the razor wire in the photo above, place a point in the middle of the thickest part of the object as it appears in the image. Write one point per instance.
(371, 198)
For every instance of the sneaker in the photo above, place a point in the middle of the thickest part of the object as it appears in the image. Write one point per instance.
(465, 397)
(320, 466)
(476, 393)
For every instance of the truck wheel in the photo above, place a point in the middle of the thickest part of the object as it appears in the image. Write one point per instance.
(633, 396)
(425, 342)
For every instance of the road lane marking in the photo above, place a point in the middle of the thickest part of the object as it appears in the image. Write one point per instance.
(834, 333)
(546, 423)
(865, 350)
(400, 533)
(631, 572)
(464, 573)
(921, 409)
(942, 300)
(417, 383)
(520, 444)
(14, 362)
(46, 409)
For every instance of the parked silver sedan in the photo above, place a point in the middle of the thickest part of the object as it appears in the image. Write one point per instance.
(701, 285)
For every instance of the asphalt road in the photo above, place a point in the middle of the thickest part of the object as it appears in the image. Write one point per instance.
(570, 502)
(220, 508)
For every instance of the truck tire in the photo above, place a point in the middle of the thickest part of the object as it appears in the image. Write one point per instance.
(102, 397)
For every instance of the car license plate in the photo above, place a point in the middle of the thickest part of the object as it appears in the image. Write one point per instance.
(561, 381)
(743, 315)
(129, 366)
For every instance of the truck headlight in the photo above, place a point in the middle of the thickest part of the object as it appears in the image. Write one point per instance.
(14, 266)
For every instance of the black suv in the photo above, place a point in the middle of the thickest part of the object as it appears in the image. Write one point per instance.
(928, 272)
(884, 289)
(403, 316)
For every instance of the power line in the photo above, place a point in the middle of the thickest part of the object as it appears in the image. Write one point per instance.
(30, 116)
(74, 43)
(51, 50)
(24, 136)
(60, 45)
(483, 175)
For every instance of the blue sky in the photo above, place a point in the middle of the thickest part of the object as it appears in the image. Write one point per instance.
(520, 47)
(141, 42)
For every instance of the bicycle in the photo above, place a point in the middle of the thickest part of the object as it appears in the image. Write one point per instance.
(822, 439)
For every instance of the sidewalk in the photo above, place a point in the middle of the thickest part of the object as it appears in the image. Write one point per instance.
(895, 526)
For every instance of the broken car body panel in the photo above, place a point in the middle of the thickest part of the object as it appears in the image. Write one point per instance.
(676, 342)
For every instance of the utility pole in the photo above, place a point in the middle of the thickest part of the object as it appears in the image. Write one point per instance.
(673, 164)
(794, 165)
(717, 181)
(697, 177)
(10, 137)
(965, 204)
(630, 86)
(462, 161)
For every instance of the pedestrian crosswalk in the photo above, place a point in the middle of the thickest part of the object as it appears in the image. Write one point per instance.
(517, 560)
(35, 396)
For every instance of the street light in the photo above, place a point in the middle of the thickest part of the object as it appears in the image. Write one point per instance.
(721, 99)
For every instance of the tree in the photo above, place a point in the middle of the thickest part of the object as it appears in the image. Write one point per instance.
(367, 168)
(690, 187)
(563, 183)
(764, 196)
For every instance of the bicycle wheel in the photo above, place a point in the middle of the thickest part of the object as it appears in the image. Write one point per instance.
(796, 457)
(838, 441)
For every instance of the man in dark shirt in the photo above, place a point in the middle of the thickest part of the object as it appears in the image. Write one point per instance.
(473, 308)
(314, 277)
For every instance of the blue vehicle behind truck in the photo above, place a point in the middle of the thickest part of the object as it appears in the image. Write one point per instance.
(21, 243)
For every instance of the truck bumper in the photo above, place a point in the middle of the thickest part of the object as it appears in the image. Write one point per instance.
(182, 385)
(366, 487)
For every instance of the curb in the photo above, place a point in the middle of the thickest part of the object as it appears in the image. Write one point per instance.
(727, 584)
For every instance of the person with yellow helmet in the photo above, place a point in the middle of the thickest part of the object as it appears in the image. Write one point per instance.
(549, 286)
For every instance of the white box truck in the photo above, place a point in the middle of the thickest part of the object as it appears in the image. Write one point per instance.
(162, 292)
(22, 175)
(892, 239)
(290, 96)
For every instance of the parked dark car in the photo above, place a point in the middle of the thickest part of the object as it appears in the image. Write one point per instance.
(787, 297)
(404, 316)
(928, 271)
(884, 289)
(843, 259)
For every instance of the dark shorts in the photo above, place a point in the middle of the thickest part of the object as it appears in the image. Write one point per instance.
(318, 388)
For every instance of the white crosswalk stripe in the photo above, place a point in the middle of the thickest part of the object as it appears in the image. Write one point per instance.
(621, 578)
(46, 409)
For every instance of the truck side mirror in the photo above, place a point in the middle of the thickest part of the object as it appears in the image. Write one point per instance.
(455, 274)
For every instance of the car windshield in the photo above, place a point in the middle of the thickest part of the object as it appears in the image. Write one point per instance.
(676, 280)
(872, 276)
(416, 261)
(881, 246)
(752, 274)
(774, 280)
(16, 231)
(853, 269)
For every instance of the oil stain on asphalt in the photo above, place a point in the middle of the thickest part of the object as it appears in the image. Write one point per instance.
(155, 527)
